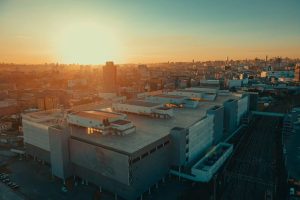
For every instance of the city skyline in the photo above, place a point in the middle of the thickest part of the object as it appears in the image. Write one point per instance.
(92, 32)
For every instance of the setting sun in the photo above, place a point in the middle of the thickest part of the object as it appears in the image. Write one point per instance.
(86, 43)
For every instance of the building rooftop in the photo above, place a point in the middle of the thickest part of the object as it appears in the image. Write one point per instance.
(48, 118)
(170, 96)
(190, 90)
(142, 103)
(150, 130)
(97, 115)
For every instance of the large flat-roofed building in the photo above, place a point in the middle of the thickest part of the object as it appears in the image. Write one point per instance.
(200, 94)
(210, 83)
(128, 147)
(209, 94)
(196, 93)
(166, 98)
(124, 164)
(157, 110)
(36, 134)
(173, 100)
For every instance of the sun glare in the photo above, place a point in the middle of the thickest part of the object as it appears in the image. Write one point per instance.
(87, 43)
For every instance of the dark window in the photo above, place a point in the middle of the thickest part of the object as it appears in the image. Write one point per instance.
(152, 150)
(145, 154)
(135, 160)
(159, 146)
(167, 142)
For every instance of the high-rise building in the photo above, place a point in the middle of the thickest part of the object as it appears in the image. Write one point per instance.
(48, 103)
(110, 77)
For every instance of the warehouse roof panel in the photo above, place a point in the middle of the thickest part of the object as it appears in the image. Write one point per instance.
(142, 103)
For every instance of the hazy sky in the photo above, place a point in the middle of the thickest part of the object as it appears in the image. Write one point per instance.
(87, 31)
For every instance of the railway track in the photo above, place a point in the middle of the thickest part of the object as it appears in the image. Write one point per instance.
(250, 172)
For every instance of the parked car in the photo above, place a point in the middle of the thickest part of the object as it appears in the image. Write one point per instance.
(6, 180)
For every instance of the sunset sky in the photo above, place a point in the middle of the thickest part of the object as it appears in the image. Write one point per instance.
(91, 32)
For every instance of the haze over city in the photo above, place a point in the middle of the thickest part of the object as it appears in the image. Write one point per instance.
(91, 32)
(150, 100)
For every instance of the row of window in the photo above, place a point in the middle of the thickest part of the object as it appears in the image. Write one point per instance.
(187, 147)
(150, 152)
(93, 130)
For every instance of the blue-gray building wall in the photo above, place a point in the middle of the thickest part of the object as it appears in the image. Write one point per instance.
(150, 170)
(37, 152)
(128, 178)
(230, 116)
(59, 152)
(218, 112)
(178, 137)
(107, 162)
(253, 101)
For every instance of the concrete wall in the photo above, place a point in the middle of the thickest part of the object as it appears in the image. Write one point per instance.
(143, 173)
(163, 100)
(200, 137)
(36, 134)
(186, 93)
(103, 181)
(190, 103)
(179, 145)
(149, 170)
(243, 107)
(253, 98)
(230, 116)
(109, 163)
(37, 152)
(59, 146)
(234, 83)
(218, 113)
(189, 144)
(119, 107)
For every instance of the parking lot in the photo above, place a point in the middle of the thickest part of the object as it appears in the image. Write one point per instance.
(35, 182)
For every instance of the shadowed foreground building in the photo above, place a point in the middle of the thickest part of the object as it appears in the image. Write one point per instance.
(131, 146)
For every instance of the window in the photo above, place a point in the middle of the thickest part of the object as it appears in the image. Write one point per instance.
(135, 160)
(167, 142)
(187, 150)
(159, 146)
(144, 155)
(152, 150)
